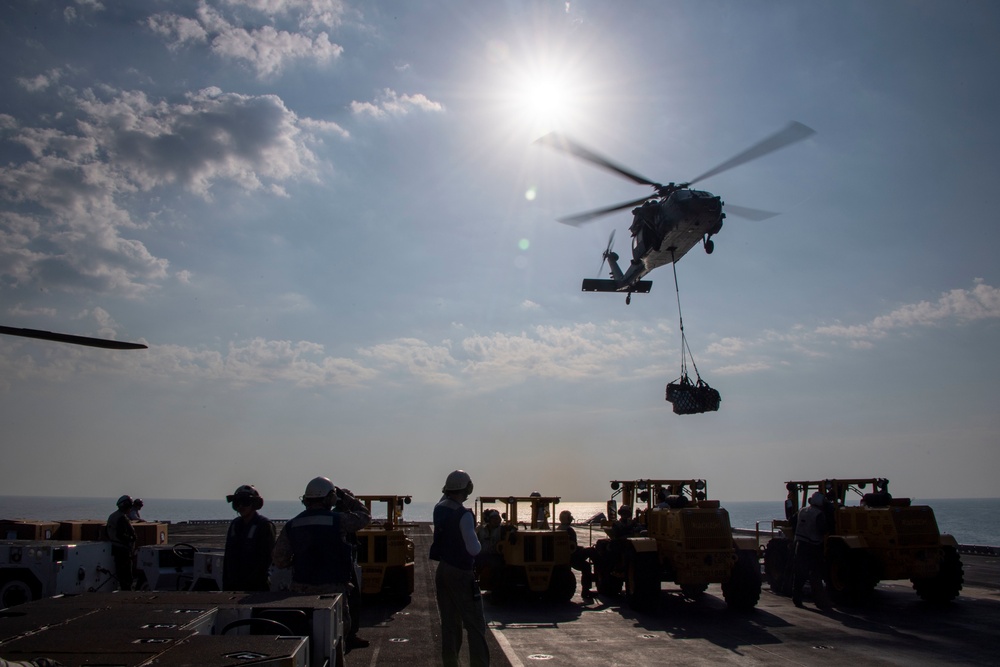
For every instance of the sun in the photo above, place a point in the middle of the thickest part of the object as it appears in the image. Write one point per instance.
(542, 97)
(544, 100)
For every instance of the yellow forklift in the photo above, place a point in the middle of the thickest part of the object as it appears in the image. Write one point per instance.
(677, 535)
(877, 539)
(385, 553)
(525, 554)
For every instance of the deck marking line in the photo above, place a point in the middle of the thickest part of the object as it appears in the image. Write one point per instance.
(506, 648)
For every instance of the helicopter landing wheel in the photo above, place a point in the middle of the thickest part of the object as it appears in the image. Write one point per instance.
(628, 298)
(709, 246)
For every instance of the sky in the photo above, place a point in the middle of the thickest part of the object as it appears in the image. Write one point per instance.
(330, 224)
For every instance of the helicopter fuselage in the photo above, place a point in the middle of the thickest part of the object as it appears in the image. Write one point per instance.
(664, 230)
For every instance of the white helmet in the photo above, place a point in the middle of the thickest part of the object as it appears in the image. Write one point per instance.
(817, 499)
(318, 488)
(458, 480)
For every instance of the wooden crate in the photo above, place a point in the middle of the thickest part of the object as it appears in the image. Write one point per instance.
(28, 530)
(150, 532)
(90, 530)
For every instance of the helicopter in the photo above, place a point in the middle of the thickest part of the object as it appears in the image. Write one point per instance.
(672, 220)
(72, 339)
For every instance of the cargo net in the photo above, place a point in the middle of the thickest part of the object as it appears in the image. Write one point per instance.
(687, 397)
(691, 398)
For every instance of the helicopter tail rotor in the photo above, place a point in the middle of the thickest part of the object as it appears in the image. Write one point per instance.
(607, 252)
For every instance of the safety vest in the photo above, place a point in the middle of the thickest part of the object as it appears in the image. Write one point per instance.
(449, 545)
(320, 555)
(808, 528)
(121, 535)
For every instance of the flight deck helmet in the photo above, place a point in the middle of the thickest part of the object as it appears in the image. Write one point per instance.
(246, 495)
(124, 503)
(458, 480)
(318, 488)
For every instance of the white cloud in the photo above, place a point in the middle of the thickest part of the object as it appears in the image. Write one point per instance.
(771, 348)
(613, 351)
(323, 127)
(726, 347)
(311, 13)
(124, 143)
(267, 49)
(981, 302)
(741, 369)
(177, 30)
(41, 81)
(18, 310)
(432, 364)
(389, 103)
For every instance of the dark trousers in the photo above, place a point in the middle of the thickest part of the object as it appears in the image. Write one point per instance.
(460, 603)
(808, 565)
(580, 560)
(354, 601)
(123, 566)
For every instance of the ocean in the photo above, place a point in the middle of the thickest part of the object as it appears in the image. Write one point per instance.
(971, 521)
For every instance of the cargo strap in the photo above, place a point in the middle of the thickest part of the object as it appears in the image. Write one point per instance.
(685, 348)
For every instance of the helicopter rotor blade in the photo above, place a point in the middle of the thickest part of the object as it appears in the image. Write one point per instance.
(75, 340)
(754, 214)
(580, 218)
(794, 132)
(567, 145)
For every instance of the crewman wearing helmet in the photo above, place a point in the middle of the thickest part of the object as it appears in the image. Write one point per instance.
(459, 599)
(122, 537)
(579, 557)
(133, 514)
(810, 532)
(315, 545)
(249, 543)
(539, 512)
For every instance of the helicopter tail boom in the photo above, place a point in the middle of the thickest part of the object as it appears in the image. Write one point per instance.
(598, 285)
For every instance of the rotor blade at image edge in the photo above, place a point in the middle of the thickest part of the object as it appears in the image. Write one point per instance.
(794, 132)
(754, 214)
(587, 216)
(74, 340)
(567, 145)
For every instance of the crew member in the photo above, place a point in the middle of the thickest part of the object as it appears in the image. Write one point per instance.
(626, 526)
(810, 531)
(459, 599)
(489, 532)
(314, 543)
(249, 543)
(123, 538)
(539, 512)
(579, 557)
(133, 514)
